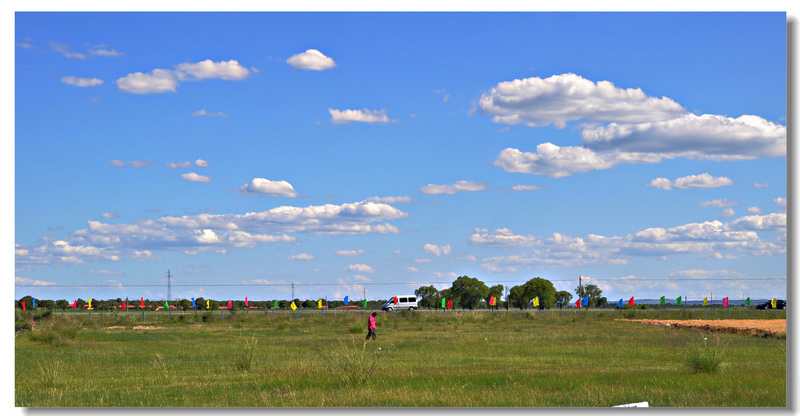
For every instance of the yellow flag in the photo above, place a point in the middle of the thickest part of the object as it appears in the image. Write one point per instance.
(294, 307)
(207, 305)
(536, 302)
(319, 304)
(90, 303)
(774, 303)
(705, 301)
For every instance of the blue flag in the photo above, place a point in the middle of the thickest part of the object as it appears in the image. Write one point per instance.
(193, 303)
(619, 305)
(346, 300)
(586, 301)
(33, 302)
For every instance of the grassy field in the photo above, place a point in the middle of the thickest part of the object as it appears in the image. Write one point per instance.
(420, 359)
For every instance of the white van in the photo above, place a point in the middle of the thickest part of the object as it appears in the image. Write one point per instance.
(403, 302)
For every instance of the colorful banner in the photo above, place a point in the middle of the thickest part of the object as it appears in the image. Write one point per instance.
(619, 304)
(747, 302)
(724, 302)
(245, 302)
(294, 307)
(395, 300)
(90, 303)
(536, 302)
(142, 301)
(630, 301)
(319, 304)
(123, 304)
(166, 305)
(33, 303)
(230, 305)
(774, 303)
(586, 301)
(678, 301)
(491, 301)
(444, 303)
(365, 304)
(75, 304)
(275, 305)
(208, 303)
(578, 303)
(193, 305)
(346, 300)
(23, 306)
(450, 303)
(663, 300)
(705, 301)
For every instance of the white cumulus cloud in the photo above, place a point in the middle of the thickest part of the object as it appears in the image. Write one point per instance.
(360, 268)
(436, 250)
(301, 256)
(263, 186)
(81, 82)
(311, 59)
(702, 181)
(361, 116)
(193, 177)
(460, 186)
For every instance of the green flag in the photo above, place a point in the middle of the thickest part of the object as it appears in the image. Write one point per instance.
(663, 300)
(365, 304)
(678, 301)
(444, 303)
(166, 305)
(747, 302)
(275, 305)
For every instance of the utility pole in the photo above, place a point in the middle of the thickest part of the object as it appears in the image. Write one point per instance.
(292, 291)
(580, 286)
(169, 286)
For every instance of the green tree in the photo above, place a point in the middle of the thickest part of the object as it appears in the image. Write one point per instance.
(521, 295)
(185, 304)
(200, 303)
(497, 292)
(592, 291)
(428, 296)
(469, 291)
(62, 304)
(562, 298)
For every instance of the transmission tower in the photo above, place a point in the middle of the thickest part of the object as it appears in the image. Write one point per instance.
(169, 286)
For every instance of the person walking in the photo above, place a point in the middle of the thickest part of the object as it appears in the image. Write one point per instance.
(371, 327)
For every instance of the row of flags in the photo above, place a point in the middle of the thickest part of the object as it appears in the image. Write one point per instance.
(446, 303)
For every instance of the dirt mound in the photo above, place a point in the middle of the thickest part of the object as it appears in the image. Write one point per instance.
(767, 328)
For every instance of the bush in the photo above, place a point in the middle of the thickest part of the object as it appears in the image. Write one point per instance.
(356, 329)
(707, 357)
(208, 317)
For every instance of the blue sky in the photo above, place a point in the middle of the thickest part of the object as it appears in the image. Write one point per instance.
(374, 153)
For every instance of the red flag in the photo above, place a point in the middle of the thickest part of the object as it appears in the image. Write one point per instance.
(123, 305)
(23, 306)
(229, 304)
(395, 300)
(245, 301)
(75, 304)
(450, 303)
(143, 301)
(491, 301)
(724, 302)
(578, 303)
(630, 301)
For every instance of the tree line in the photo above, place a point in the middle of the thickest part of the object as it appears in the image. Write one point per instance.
(471, 293)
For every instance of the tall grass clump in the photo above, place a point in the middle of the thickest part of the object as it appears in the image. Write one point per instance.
(354, 364)
(706, 357)
(244, 357)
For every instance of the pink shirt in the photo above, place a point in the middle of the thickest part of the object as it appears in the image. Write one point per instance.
(371, 324)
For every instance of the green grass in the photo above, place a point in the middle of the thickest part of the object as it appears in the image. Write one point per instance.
(454, 360)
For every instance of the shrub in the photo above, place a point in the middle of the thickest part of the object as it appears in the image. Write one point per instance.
(706, 357)
(208, 317)
(244, 357)
(356, 329)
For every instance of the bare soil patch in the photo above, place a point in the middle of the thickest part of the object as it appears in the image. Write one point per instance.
(766, 328)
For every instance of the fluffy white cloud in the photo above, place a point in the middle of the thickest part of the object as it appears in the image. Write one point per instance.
(81, 82)
(551, 160)
(263, 186)
(193, 177)
(363, 268)
(412, 270)
(105, 52)
(175, 165)
(569, 97)
(311, 59)
(709, 239)
(436, 250)
(780, 201)
(361, 116)
(460, 186)
(201, 163)
(704, 137)
(301, 256)
(208, 69)
(754, 210)
(110, 215)
(520, 188)
(157, 81)
(350, 253)
(390, 199)
(166, 80)
(502, 237)
(25, 281)
(719, 203)
(640, 129)
(727, 213)
(702, 181)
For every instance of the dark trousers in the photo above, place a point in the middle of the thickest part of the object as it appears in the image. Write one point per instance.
(371, 333)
